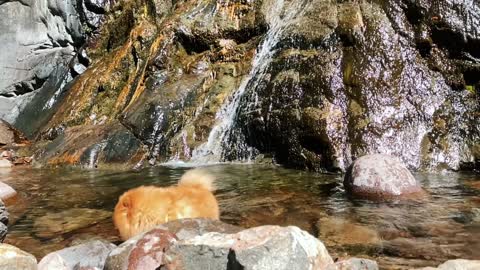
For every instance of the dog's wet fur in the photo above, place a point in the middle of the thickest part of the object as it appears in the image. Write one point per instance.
(141, 209)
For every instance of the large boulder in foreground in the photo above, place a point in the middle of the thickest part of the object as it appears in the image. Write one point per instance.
(91, 255)
(132, 253)
(265, 247)
(379, 176)
(14, 258)
(190, 227)
(459, 264)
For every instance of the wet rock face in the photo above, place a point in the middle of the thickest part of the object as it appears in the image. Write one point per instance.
(43, 34)
(91, 147)
(365, 87)
(146, 74)
(92, 11)
(210, 21)
(330, 81)
(379, 176)
(46, 36)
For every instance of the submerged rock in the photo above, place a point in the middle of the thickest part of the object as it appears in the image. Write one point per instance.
(14, 258)
(266, 247)
(379, 176)
(54, 224)
(345, 233)
(330, 81)
(91, 255)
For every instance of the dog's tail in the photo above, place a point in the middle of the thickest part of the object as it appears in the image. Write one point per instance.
(198, 178)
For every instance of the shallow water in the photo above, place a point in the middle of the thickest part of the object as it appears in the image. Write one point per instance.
(398, 234)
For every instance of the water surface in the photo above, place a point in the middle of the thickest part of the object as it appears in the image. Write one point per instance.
(398, 234)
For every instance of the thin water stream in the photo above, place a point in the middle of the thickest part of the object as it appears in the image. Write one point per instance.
(57, 208)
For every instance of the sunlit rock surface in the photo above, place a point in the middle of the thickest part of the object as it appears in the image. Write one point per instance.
(37, 36)
(265, 247)
(311, 84)
(366, 89)
(14, 258)
(458, 264)
(379, 176)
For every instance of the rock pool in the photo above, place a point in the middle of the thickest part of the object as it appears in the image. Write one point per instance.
(398, 234)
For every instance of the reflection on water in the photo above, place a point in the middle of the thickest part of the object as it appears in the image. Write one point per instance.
(443, 226)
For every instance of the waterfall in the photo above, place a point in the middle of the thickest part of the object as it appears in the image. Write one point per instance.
(279, 16)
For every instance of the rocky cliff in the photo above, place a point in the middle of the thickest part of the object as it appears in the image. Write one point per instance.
(312, 84)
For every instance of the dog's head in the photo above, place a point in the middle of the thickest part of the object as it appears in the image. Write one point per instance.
(139, 210)
(122, 215)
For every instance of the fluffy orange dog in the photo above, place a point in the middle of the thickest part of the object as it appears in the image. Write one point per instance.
(141, 209)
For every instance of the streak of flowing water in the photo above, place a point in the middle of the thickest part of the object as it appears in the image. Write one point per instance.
(281, 14)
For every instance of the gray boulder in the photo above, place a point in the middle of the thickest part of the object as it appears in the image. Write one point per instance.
(130, 254)
(458, 264)
(266, 247)
(379, 176)
(14, 258)
(91, 255)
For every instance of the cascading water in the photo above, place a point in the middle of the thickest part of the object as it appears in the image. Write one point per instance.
(279, 17)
